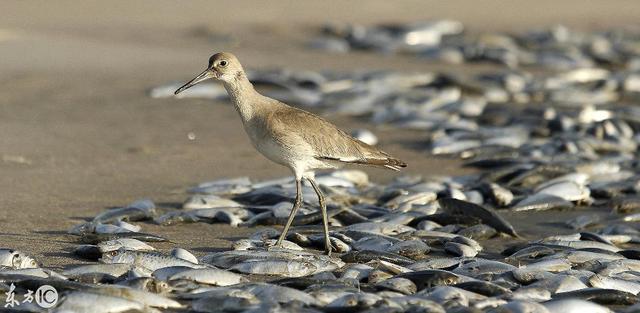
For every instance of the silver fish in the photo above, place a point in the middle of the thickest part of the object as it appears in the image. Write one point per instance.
(126, 243)
(210, 276)
(285, 268)
(575, 306)
(148, 260)
(79, 301)
(16, 259)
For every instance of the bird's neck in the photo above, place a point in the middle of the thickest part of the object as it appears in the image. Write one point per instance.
(243, 95)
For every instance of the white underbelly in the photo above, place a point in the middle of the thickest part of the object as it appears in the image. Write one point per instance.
(274, 151)
(299, 158)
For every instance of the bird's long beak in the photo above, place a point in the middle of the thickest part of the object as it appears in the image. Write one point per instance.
(206, 74)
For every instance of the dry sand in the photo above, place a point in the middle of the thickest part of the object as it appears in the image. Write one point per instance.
(78, 132)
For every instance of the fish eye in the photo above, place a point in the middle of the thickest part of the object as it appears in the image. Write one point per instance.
(223, 63)
(113, 253)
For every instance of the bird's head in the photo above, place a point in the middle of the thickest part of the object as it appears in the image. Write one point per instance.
(222, 66)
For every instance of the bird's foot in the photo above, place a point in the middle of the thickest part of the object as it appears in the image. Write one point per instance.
(276, 245)
(327, 250)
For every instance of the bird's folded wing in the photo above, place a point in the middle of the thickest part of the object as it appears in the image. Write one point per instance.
(330, 143)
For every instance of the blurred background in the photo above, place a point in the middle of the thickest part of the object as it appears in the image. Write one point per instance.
(79, 131)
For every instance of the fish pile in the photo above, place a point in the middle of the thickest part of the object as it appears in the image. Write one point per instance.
(546, 140)
(446, 41)
(437, 244)
(552, 127)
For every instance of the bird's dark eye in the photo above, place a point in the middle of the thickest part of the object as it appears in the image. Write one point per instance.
(223, 63)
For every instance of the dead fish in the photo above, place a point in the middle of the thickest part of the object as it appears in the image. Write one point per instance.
(208, 202)
(317, 241)
(232, 300)
(530, 253)
(459, 249)
(176, 217)
(372, 243)
(248, 244)
(567, 190)
(550, 265)
(379, 228)
(115, 270)
(600, 296)
(136, 211)
(582, 244)
(541, 202)
(574, 306)
(126, 243)
(625, 204)
(16, 259)
(210, 276)
(89, 252)
(452, 296)
(128, 226)
(274, 293)
(487, 216)
(356, 271)
(435, 263)
(477, 266)
(148, 284)
(364, 256)
(148, 299)
(405, 202)
(148, 260)
(228, 259)
(603, 282)
(480, 231)
(414, 249)
(430, 278)
(501, 196)
(560, 283)
(80, 301)
(484, 288)
(224, 186)
(519, 306)
(355, 301)
(285, 268)
(398, 284)
(583, 221)
(184, 254)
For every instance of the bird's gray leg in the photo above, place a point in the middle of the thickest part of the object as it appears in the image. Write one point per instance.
(294, 210)
(325, 219)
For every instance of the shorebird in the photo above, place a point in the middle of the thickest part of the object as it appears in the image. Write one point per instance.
(289, 136)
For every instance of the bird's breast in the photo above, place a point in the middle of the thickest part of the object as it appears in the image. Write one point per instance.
(283, 148)
(268, 146)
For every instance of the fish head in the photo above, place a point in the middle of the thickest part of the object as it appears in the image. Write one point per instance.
(109, 246)
(442, 279)
(158, 286)
(117, 256)
(84, 228)
(21, 261)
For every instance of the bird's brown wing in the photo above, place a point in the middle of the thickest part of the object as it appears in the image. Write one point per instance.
(331, 143)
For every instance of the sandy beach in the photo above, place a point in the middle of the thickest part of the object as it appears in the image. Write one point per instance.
(78, 132)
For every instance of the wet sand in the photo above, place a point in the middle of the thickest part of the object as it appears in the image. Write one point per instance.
(78, 133)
